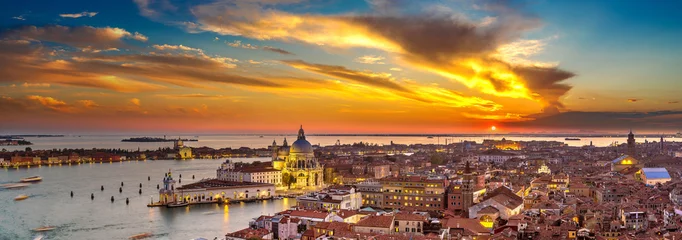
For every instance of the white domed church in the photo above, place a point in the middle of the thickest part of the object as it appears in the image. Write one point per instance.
(300, 169)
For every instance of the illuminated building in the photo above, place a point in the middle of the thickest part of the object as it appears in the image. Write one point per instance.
(298, 164)
(544, 169)
(211, 190)
(184, 152)
(338, 197)
(623, 162)
(501, 202)
(249, 173)
(653, 176)
(414, 192)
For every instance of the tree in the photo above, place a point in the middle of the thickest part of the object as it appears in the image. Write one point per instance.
(436, 159)
(29, 149)
(288, 179)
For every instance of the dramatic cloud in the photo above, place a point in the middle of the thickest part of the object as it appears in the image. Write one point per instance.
(384, 81)
(83, 36)
(370, 59)
(485, 57)
(396, 69)
(277, 50)
(78, 15)
(632, 100)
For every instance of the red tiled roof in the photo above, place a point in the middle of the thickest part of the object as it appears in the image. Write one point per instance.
(376, 221)
(249, 233)
(409, 217)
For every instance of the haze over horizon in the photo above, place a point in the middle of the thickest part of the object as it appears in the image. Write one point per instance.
(340, 67)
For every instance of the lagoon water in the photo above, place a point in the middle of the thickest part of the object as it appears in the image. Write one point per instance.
(254, 141)
(79, 217)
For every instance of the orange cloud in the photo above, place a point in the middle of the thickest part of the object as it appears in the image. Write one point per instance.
(88, 103)
(51, 103)
(135, 101)
(83, 36)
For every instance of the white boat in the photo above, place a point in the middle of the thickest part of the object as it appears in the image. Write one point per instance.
(39, 237)
(180, 204)
(20, 197)
(32, 179)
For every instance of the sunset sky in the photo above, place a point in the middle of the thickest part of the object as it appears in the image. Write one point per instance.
(340, 66)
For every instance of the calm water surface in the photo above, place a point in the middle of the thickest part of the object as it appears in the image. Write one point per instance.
(79, 217)
(236, 141)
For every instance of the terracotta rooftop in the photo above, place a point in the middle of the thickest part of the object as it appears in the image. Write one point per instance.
(409, 217)
(249, 233)
(376, 221)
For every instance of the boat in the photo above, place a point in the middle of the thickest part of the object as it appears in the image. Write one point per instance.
(39, 237)
(31, 179)
(14, 185)
(429, 137)
(140, 236)
(174, 205)
(44, 229)
(20, 197)
(572, 139)
(261, 136)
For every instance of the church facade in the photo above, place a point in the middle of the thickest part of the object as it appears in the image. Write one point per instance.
(298, 164)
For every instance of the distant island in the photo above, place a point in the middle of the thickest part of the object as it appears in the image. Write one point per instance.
(155, 139)
(14, 142)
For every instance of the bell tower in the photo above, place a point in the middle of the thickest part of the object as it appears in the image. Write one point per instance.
(467, 189)
(632, 151)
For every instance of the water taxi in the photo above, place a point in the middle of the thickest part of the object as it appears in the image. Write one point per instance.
(44, 229)
(31, 179)
(140, 236)
(20, 197)
(14, 185)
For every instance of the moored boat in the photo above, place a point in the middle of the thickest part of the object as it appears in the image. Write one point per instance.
(180, 204)
(31, 179)
(20, 197)
(572, 139)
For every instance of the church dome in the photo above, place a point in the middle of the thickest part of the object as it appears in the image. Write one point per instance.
(301, 145)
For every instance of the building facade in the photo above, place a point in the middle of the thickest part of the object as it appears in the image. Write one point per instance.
(298, 164)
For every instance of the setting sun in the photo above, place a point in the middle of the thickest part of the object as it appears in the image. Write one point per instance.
(493, 128)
